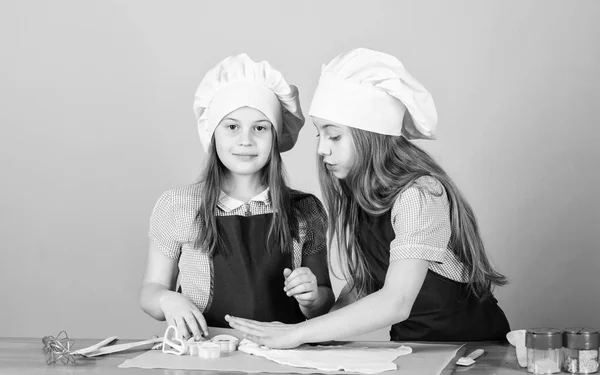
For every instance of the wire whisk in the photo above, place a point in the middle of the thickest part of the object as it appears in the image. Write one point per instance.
(58, 349)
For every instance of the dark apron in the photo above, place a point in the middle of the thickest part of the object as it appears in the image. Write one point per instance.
(248, 279)
(443, 309)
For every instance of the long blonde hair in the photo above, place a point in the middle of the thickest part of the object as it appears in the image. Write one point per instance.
(385, 167)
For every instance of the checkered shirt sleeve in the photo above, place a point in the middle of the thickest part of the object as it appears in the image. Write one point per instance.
(173, 228)
(163, 227)
(314, 229)
(421, 221)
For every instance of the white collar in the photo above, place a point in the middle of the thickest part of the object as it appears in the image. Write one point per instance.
(227, 203)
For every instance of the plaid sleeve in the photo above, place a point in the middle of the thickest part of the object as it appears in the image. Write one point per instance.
(163, 228)
(316, 227)
(421, 222)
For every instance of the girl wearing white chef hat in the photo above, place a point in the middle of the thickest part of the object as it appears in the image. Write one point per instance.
(415, 259)
(239, 236)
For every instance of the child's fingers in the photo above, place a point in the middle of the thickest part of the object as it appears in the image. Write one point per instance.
(300, 289)
(298, 276)
(191, 322)
(250, 332)
(287, 272)
(248, 322)
(182, 327)
(171, 321)
(309, 296)
(200, 319)
(299, 280)
(295, 273)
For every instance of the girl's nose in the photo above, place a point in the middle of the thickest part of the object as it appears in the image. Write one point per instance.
(323, 150)
(245, 138)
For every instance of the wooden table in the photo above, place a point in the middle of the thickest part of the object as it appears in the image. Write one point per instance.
(25, 356)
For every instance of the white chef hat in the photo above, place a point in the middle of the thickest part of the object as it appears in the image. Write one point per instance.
(372, 91)
(238, 82)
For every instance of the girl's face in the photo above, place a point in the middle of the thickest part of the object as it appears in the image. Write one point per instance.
(335, 146)
(243, 141)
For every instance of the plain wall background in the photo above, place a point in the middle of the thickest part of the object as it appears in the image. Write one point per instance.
(96, 122)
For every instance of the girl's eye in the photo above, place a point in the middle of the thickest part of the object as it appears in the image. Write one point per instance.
(260, 128)
(231, 126)
(336, 138)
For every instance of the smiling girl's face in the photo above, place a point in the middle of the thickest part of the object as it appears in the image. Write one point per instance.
(243, 141)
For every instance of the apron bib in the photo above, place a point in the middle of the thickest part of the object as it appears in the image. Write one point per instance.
(248, 278)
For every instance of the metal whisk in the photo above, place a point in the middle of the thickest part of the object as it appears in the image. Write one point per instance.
(58, 349)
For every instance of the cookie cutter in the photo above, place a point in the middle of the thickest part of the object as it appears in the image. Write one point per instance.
(227, 343)
(204, 349)
(174, 344)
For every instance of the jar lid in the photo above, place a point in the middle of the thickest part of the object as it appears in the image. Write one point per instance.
(543, 338)
(581, 338)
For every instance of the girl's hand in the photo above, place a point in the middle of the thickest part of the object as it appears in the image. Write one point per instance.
(302, 285)
(272, 335)
(183, 314)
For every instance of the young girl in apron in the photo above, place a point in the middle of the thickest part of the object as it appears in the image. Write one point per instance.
(415, 260)
(236, 239)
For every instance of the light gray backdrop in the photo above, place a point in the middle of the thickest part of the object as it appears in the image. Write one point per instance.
(97, 122)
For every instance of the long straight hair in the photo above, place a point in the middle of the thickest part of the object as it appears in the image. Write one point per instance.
(385, 166)
(284, 226)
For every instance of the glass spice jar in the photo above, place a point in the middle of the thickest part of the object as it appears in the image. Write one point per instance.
(544, 347)
(580, 350)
